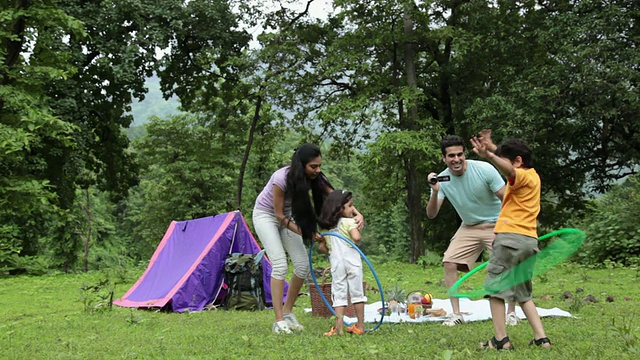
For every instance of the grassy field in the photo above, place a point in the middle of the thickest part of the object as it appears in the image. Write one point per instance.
(50, 317)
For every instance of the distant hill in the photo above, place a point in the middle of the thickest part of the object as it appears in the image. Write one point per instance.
(153, 104)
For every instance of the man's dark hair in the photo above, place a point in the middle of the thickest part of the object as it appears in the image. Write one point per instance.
(450, 140)
(513, 148)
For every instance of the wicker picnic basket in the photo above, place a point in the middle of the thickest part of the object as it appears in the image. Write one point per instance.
(318, 307)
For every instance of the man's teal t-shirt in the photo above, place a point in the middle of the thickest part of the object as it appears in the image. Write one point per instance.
(473, 194)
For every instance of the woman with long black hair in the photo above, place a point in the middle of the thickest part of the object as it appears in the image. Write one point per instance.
(284, 218)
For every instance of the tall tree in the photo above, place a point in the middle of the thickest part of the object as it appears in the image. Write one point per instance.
(187, 173)
(88, 83)
(403, 73)
(387, 71)
(28, 201)
(576, 101)
(211, 72)
(111, 65)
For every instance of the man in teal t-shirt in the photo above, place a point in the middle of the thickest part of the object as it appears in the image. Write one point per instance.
(475, 189)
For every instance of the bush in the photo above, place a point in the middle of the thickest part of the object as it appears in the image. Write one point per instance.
(612, 227)
(31, 265)
(108, 256)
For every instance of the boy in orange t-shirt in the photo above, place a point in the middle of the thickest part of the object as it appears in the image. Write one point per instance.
(516, 233)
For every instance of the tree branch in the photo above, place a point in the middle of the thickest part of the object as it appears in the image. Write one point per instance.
(300, 15)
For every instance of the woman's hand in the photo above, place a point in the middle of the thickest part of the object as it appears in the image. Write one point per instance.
(318, 237)
(359, 219)
(322, 247)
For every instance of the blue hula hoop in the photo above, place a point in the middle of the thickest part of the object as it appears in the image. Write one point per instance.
(366, 260)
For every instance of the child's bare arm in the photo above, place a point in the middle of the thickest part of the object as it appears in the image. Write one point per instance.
(502, 165)
(355, 235)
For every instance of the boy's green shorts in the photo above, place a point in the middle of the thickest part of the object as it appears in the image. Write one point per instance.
(509, 250)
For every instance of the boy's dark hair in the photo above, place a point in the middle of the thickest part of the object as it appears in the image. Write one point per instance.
(450, 140)
(303, 212)
(332, 208)
(513, 148)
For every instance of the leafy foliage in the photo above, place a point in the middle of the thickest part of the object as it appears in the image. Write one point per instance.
(625, 329)
(574, 101)
(29, 212)
(376, 83)
(386, 169)
(611, 226)
(98, 297)
(189, 171)
(68, 74)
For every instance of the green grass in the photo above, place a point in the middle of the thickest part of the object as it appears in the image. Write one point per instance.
(45, 318)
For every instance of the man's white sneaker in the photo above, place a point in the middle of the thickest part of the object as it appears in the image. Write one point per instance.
(453, 320)
(292, 322)
(512, 319)
(281, 327)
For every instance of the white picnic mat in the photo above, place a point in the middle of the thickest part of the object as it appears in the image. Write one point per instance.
(476, 310)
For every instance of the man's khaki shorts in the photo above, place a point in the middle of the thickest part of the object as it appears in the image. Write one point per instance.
(467, 244)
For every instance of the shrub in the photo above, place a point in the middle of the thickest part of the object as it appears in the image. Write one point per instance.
(612, 227)
(31, 265)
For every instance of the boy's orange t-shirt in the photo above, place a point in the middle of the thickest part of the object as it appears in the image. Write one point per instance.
(521, 204)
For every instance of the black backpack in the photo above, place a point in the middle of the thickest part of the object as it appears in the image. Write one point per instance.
(243, 277)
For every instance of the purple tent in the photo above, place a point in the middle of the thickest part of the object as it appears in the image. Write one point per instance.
(187, 269)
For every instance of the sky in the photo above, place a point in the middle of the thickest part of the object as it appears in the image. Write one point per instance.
(318, 9)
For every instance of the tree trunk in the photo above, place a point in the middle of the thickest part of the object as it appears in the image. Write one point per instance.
(13, 47)
(256, 113)
(414, 204)
(414, 190)
(247, 151)
(446, 114)
(87, 238)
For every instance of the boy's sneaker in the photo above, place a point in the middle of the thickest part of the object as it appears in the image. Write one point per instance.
(512, 319)
(453, 320)
(281, 327)
(292, 322)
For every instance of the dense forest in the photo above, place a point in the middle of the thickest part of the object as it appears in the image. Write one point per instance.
(375, 83)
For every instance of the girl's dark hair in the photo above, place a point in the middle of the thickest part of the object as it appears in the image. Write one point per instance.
(332, 208)
(298, 185)
(513, 148)
(450, 140)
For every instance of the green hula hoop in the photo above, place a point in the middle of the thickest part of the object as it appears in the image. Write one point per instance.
(569, 242)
